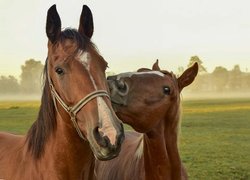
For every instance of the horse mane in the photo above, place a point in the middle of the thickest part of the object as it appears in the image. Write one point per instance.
(179, 111)
(45, 123)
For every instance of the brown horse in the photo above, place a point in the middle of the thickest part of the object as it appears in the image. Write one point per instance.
(149, 101)
(76, 121)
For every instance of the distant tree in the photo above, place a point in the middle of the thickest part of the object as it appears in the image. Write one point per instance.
(9, 85)
(220, 78)
(237, 68)
(194, 59)
(246, 82)
(235, 78)
(31, 76)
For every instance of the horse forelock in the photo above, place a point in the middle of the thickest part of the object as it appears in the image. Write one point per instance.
(72, 34)
(83, 44)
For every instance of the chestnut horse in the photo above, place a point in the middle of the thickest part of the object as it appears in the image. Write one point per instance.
(76, 122)
(149, 101)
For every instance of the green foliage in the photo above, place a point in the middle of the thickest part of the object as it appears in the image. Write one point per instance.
(30, 80)
(8, 85)
(194, 59)
(31, 76)
(235, 82)
(214, 140)
(221, 79)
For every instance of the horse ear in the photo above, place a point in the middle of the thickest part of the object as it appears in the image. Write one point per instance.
(188, 76)
(86, 25)
(156, 66)
(53, 24)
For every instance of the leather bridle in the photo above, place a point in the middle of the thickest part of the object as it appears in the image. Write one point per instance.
(73, 110)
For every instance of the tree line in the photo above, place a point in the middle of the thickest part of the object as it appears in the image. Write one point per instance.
(30, 79)
(220, 80)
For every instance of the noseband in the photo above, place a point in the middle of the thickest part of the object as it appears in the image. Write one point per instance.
(73, 110)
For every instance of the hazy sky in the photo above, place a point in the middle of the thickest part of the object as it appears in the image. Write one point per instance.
(134, 33)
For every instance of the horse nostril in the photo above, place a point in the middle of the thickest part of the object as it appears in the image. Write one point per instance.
(121, 86)
(102, 141)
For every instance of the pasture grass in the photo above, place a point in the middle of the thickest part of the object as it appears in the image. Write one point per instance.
(214, 140)
(17, 116)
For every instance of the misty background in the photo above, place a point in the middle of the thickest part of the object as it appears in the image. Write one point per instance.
(133, 34)
(219, 83)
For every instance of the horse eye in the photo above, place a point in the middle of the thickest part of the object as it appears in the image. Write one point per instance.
(59, 71)
(166, 90)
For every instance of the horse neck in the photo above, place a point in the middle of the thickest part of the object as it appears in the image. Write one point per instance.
(71, 156)
(156, 160)
(161, 155)
(171, 140)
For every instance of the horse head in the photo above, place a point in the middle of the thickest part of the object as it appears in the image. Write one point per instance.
(76, 75)
(143, 98)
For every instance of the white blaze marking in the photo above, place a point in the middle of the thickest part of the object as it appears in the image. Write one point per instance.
(104, 113)
(85, 59)
(129, 74)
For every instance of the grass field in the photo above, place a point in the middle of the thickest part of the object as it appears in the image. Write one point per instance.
(214, 141)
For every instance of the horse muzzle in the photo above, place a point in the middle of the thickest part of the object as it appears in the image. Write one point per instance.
(107, 150)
